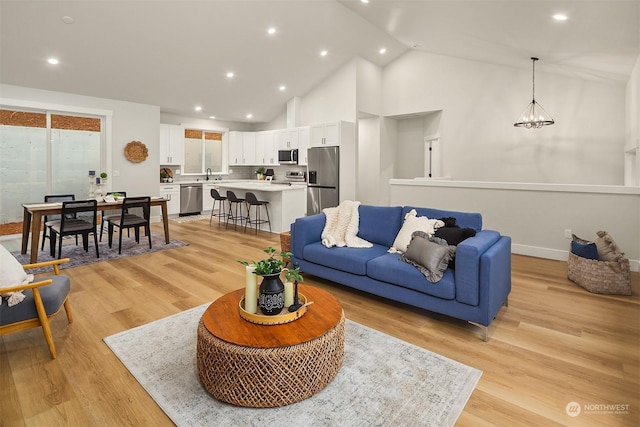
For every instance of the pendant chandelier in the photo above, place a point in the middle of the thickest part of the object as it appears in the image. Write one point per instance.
(534, 117)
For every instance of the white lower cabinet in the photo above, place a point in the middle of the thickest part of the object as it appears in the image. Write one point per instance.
(172, 193)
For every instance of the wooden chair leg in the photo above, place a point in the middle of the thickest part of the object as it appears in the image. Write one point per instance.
(67, 309)
(44, 321)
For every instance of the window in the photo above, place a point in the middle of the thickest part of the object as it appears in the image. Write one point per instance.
(45, 153)
(202, 151)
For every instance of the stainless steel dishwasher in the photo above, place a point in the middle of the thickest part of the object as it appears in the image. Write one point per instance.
(190, 199)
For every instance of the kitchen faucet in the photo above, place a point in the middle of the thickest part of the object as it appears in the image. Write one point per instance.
(208, 173)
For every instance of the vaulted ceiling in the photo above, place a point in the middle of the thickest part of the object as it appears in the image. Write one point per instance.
(176, 54)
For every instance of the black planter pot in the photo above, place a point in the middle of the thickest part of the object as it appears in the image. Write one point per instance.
(271, 300)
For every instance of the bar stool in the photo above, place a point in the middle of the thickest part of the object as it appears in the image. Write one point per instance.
(233, 216)
(252, 200)
(221, 207)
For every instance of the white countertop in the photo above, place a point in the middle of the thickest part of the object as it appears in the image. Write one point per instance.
(260, 186)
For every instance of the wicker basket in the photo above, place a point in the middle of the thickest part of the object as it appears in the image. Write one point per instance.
(285, 244)
(600, 277)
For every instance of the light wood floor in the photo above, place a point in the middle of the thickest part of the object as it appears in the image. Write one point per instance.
(553, 345)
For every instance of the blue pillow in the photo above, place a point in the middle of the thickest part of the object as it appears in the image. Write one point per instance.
(584, 250)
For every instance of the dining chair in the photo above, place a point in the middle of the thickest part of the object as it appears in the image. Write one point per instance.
(135, 214)
(109, 215)
(78, 217)
(39, 300)
(49, 220)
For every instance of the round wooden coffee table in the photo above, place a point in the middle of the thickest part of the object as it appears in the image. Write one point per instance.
(261, 366)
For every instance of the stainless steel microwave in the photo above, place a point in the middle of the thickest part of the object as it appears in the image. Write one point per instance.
(288, 157)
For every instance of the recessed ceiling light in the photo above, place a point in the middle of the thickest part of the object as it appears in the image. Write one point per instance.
(282, 88)
(249, 116)
(212, 117)
(271, 30)
(324, 53)
(230, 75)
(560, 17)
(383, 50)
(364, 1)
(198, 108)
(53, 61)
(67, 20)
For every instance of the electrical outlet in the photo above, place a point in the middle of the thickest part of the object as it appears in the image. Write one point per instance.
(567, 233)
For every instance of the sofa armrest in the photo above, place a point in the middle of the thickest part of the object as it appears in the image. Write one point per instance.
(495, 278)
(467, 272)
(306, 230)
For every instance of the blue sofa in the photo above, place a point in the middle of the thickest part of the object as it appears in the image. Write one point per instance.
(475, 291)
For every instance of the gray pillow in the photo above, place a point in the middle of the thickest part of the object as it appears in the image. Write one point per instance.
(429, 255)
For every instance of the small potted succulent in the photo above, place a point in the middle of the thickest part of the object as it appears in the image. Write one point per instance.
(260, 173)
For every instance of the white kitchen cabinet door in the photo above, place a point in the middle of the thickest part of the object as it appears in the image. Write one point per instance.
(236, 156)
(325, 135)
(266, 150)
(171, 144)
(287, 139)
(172, 193)
(249, 148)
(304, 135)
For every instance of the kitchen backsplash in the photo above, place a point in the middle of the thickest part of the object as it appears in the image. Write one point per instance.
(238, 172)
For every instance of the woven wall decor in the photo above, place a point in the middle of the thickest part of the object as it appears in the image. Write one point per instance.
(136, 152)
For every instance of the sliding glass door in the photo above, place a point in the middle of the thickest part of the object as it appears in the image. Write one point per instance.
(45, 153)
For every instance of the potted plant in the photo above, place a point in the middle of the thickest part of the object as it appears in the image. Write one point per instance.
(116, 196)
(260, 173)
(164, 175)
(271, 295)
(103, 175)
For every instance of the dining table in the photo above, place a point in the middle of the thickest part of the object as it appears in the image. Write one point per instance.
(33, 213)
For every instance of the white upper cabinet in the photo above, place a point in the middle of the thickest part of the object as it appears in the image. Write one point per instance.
(325, 135)
(249, 148)
(304, 135)
(171, 144)
(236, 156)
(287, 139)
(266, 150)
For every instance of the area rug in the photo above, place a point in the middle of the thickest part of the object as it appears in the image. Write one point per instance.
(190, 218)
(79, 257)
(383, 381)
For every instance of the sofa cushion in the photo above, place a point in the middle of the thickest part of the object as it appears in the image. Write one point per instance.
(608, 249)
(413, 223)
(351, 260)
(429, 255)
(463, 219)
(584, 250)
(379, 224)
(388, 268)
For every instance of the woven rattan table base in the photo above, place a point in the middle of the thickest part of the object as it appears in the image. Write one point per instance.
(268, 377)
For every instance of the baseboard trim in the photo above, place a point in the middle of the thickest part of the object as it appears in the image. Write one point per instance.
(555, 254)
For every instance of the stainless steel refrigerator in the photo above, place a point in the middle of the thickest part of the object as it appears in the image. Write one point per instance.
(323, 178)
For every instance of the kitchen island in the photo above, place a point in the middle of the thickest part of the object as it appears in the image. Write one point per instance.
(286, 202)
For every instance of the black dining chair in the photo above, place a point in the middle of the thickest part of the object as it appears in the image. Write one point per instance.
(77, 217)
(135, 214)
(222, 213)
(49, 220)
(109, 215)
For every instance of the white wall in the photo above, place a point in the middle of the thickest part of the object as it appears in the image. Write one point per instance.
(332, 100)
(480, 103)
(632, 127)
(130, 122)
(536, 216)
